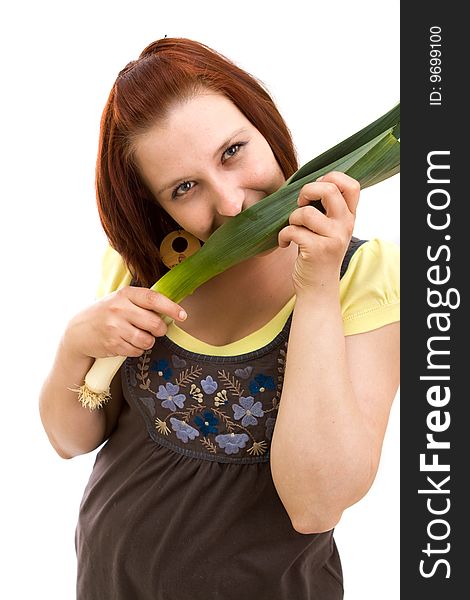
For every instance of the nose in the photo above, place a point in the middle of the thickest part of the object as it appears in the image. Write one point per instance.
(228, 198)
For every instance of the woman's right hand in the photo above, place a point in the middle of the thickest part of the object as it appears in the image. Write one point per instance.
(123, 323)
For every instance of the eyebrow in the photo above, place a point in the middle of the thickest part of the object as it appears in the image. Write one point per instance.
(222, 146)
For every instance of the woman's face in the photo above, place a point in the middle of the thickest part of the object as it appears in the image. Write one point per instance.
(205, 162)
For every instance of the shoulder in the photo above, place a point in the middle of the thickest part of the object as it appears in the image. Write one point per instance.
(371, 256)
(114, 273)
(370, 286)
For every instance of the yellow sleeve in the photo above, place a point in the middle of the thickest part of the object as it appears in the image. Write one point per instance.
(370, 288)
(114, 273)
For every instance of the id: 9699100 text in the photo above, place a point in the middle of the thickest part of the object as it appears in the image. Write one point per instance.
(435, 65)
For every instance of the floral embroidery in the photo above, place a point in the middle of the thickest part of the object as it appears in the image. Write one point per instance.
(161, 426)
(232, 384)
(183, 431)
(248, 410)
(169, 395)
(178, 362)
(261, 383)
(196, 393)
(202, 409)
(188, 375)
(232, 442)
(207, 423)
(162, 367)
(244, 373)
(258, 448)
(221, 398)
(209, 385)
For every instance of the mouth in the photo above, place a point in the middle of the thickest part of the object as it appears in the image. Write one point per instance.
(227, 219)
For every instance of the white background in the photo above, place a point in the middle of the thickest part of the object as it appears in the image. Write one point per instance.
(331, 67)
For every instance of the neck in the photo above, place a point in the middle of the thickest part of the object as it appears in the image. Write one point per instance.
(255, 279)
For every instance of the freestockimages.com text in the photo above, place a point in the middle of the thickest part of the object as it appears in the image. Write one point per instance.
(441, 300)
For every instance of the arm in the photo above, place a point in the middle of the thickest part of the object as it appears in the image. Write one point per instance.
(72, 429)
(331, 461)
(124, 323)
(326, 444)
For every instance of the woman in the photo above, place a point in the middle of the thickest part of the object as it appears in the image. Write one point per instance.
(236, 438)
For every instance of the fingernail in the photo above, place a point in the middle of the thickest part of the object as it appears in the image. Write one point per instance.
(182, 315)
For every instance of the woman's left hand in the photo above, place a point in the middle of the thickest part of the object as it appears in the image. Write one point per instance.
(322, 238)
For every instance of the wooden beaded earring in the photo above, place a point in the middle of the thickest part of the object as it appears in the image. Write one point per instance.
(177, 246)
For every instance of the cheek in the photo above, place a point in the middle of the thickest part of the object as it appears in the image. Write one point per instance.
(194, 220)
(266, 170)
(265, 174)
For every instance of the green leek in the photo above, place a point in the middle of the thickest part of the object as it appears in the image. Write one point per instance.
(370, 156)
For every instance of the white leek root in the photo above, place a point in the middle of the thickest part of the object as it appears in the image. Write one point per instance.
(91, 394)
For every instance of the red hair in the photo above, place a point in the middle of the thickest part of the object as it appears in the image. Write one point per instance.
(167, 70)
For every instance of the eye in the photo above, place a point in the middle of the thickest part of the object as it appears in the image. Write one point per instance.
(232, 150)
(182, 189)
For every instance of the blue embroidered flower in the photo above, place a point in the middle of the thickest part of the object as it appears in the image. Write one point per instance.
(169, 395)
(244, 373)
(207, 423)
(209, 385)
(178, 362)
(232, 442)
(162, 368)
(183, 431)
(249, 410)
(261, 383)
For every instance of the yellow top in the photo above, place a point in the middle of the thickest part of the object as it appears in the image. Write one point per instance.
(369, 297)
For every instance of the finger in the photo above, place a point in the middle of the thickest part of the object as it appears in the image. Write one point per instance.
(349, 188)
(139, 338)
(147, 320)
(330, 196)
(293, 233)
(314, 220)
(154, 301)
(126, 349)
(122, 347)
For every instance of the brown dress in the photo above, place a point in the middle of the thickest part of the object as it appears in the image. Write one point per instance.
(181, 504)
